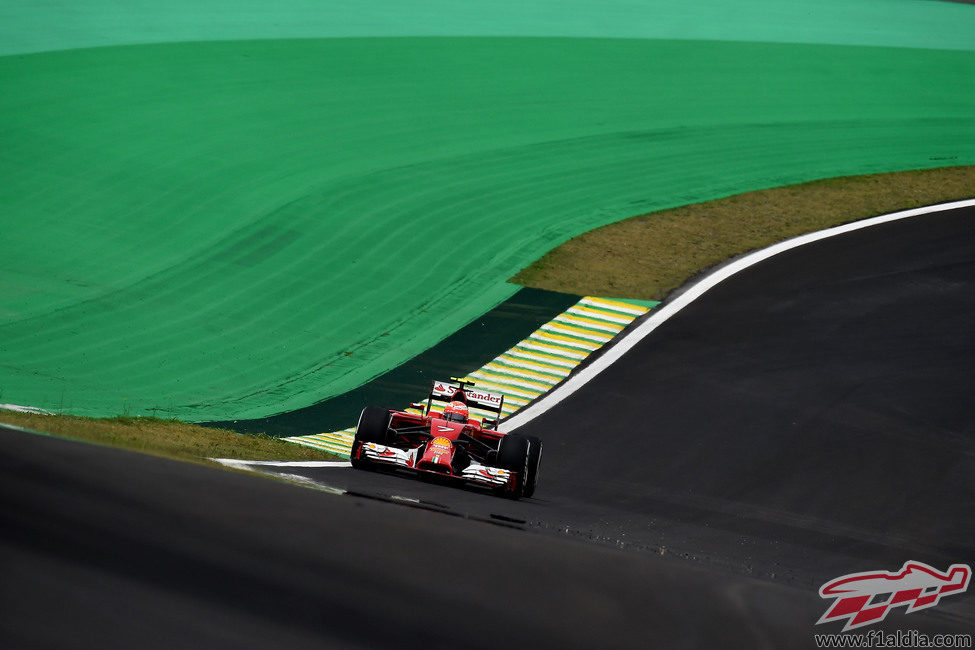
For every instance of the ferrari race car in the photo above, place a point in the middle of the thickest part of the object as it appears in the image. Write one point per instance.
(449, 444)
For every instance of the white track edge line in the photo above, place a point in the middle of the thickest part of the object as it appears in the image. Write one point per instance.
(662, 314)
(17, 408)
(233, 462)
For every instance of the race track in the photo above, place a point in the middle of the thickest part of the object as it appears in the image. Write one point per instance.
(104, 548)
(808, 415)
(805, 419)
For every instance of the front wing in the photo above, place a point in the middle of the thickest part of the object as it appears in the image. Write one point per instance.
(406, 459)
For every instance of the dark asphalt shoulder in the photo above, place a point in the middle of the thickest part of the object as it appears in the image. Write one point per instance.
(106, 548)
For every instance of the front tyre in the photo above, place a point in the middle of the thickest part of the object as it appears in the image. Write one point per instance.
(373, 426)
(534, 457)
(513, 453)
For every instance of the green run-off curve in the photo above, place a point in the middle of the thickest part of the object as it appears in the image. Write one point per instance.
(232, 229)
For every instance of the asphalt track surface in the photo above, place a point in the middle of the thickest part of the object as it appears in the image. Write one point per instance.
(805, 419)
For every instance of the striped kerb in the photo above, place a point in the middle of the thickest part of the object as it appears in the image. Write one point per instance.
(532, 367)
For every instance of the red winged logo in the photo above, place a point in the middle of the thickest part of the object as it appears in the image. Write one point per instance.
(865, 598)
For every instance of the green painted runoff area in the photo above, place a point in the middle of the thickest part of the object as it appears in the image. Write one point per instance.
(31, 26)
(232, 229)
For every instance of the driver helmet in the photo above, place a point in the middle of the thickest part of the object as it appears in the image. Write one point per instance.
(456, 412)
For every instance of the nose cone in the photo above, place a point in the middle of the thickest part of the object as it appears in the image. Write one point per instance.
(438, 455)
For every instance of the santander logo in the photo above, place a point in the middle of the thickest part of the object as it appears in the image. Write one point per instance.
(484, 397)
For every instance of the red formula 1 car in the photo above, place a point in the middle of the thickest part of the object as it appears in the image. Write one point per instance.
(449, 444)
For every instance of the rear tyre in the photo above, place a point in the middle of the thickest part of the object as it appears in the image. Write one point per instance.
(373, 426)
(534, 457)
(513, 452)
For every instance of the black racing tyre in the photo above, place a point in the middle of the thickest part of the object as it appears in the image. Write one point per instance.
(534, 456)
(513, 452)
(373, 426)
(461, 459)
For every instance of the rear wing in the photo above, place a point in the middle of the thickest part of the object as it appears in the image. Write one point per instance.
(481, 403)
